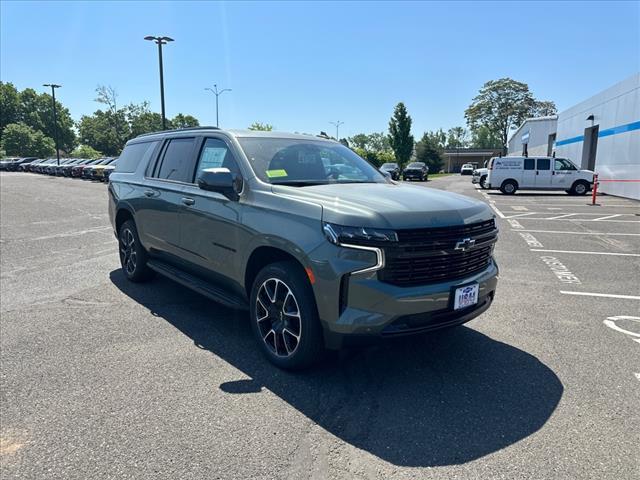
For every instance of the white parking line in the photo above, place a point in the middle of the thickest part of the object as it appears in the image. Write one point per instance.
(588, 253)
(606, 295)
(581, 233)
(564, 215)
(610, 216)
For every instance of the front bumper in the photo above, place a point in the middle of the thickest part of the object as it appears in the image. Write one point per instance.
(363, 308)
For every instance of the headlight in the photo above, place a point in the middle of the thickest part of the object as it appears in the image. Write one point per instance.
(339, 234)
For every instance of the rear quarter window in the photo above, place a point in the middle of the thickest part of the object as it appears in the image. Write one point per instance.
(133, 155)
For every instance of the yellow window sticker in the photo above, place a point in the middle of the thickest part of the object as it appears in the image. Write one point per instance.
(276, 173)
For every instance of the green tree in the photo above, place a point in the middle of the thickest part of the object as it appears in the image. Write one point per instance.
(400, 138)
(483, 137)
(97, 131)
(184, 121)
(502, 104)
(22, 140)
(36, 111)
(543, 109)
(361, 140)
(259, 126)
(9, 105)
(430, 149)
(457, 137)
(85, 151)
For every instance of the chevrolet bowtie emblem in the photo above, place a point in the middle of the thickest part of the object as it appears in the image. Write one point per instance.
(466, 244)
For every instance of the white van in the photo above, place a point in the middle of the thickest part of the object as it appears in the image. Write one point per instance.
(537, 173)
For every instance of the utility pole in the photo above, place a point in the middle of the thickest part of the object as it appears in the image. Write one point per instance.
(55, 116)
(217, 93)
(337, 124)
(161, 41)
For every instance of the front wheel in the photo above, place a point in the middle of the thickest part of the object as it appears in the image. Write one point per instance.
(580, 188)
(483, 183)
(284, 316)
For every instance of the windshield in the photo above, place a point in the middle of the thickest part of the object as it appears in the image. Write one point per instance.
(415, 165)
(302, 162)
(390, 165)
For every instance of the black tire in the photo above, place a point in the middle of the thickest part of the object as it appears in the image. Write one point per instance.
(580, 188)
(509, 187)
(483, 182)
(275, 331)
(133, 256)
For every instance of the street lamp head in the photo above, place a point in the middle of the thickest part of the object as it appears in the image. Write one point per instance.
(52, 85)
(167, 39)
(150, 37)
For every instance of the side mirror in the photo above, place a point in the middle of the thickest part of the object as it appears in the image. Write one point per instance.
(221, 180)
(386, 173)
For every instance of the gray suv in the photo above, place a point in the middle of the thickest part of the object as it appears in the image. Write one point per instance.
(319, 246)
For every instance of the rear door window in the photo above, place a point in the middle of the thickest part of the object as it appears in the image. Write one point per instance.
(177, 161)
(544, 164)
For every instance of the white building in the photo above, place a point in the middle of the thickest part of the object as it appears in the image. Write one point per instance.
(535, 137)
(603, 134)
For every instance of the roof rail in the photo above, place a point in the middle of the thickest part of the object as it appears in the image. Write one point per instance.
(188, 129)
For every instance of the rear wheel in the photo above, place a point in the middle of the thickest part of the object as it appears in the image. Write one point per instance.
(284, 316)
(580, 188)
(509, 187)
(133, 256)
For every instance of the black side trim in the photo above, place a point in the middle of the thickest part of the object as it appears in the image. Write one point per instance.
(199, 285)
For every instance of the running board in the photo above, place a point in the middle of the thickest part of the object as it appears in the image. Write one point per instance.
(198, 285)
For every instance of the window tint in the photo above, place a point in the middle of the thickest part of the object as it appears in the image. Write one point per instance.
(216, 154)
(177, 161)
(529, 164)
(562, 164)
(544, 164)
(133, 154)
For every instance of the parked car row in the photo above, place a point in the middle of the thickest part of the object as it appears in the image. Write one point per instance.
(12, 164)
(92, 169)
(413, 171)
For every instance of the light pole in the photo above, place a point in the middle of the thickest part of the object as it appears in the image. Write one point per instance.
(217, 93)
(161, 41)
(337, 124)
(55, 116)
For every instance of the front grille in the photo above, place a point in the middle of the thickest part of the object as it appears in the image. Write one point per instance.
(428, 255)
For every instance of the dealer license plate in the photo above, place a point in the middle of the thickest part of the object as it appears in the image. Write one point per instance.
(466, 296)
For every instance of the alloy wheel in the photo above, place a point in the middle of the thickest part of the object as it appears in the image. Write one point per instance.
(278, 317)
(128, 256)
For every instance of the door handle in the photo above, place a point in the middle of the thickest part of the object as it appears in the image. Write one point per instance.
(149, 193)
(188, 201)
(536, 172)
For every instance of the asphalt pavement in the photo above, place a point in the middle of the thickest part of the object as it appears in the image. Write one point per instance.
(101, 378)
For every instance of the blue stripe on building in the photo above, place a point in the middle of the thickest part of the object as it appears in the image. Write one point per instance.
(604, 133)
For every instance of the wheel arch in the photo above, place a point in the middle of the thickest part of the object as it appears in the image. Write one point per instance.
(262, 256)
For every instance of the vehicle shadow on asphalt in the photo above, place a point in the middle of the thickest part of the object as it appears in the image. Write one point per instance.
(443, 399)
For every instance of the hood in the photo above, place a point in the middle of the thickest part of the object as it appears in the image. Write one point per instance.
(389, 205)
(481, 170)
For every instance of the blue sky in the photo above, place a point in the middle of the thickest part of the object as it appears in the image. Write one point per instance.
(299, 65)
